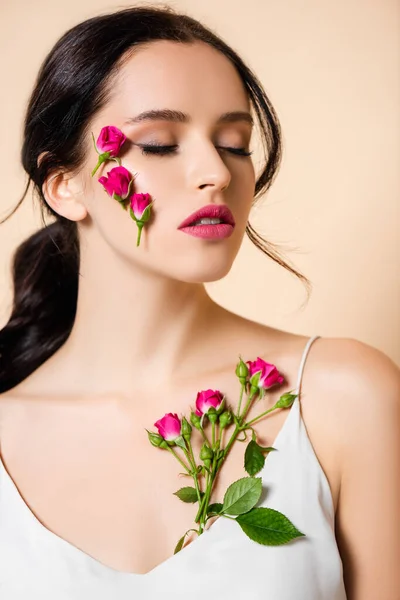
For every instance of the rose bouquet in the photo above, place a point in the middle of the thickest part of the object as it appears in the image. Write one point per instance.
(263, 525)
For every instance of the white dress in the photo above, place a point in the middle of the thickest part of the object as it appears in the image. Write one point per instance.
(223, 562)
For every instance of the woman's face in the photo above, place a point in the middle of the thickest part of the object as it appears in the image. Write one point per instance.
(200, 170)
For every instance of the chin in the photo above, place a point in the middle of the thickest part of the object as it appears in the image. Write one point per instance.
(212, 271)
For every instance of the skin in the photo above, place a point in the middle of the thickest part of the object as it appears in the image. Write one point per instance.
(147, 337)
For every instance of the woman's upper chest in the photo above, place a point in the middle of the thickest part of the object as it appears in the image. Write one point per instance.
(88, 472)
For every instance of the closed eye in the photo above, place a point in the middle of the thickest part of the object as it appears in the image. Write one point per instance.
(162, 150)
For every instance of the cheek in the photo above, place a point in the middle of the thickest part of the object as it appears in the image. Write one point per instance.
(114, 224)
(158, 177)
(242, 193)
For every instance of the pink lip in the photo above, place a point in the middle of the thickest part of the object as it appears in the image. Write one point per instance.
(211, 211)
(222, 230)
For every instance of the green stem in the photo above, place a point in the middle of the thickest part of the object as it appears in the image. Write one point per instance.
(218, 433)
(140, 227)
(240, 400)
(229, 444)
(213, 434)
(96, 167)
(249, 401)
(203, 433)
(180, 460)
(197, 518)
(192, 461)
(206, 497)
(245, 425)
(214, 470)
(102, 158)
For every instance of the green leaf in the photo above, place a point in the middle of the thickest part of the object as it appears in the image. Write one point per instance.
(254, 459)
(215, 508)
(268, 527)
(187, 494)
(242, 495)
(179, 545)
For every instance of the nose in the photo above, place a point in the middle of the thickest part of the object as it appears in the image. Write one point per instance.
(207, 168)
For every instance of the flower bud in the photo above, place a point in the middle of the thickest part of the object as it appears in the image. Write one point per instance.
(255, 379)
(195, 420)
(268, 374)
(108, 145)
(169, 427)
(186, 430)
(206, 452)
(286, 400)
(212, 415)
(242, 371)
(225, 419)
(117, 183)
(156, 439)
(207, 399)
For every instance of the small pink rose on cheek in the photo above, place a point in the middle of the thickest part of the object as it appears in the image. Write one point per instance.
(118, 181)
(111, 140)
(169, 427)
(140, 211)
(139, 204)
(108, 145)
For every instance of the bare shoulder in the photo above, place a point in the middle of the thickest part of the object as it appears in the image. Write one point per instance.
(361, 396)
(364, 379)
(354, 383)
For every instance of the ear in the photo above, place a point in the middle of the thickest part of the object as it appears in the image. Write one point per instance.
(64, 195)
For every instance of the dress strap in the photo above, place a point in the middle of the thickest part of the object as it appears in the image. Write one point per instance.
(303, 362)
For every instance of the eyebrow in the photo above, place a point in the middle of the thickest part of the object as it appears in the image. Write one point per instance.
(177, 116)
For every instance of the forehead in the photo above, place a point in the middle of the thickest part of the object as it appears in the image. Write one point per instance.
(192, 77)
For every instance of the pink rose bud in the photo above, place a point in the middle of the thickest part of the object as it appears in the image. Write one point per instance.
(117, 183)
(207, 399)
(140, 211)
(108, 145)
(111, 140)
(263, 375)
(169, 427)
(139, 207)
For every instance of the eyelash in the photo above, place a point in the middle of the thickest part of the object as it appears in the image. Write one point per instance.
(163, 150)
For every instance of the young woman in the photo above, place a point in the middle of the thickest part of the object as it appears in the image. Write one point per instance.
(107, 336)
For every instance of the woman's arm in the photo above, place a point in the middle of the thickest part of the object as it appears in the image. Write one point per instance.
(368, 515)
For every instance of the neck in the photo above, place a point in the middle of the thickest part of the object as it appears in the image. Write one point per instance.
(133, 326)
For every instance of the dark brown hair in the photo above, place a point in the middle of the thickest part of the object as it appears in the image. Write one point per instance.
(73, 83)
